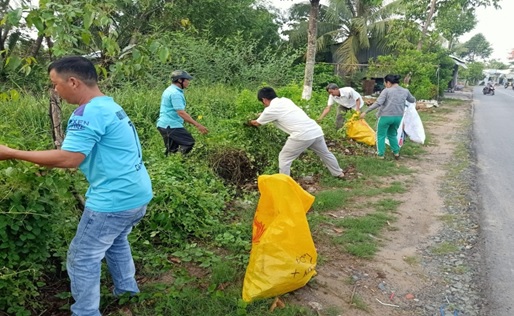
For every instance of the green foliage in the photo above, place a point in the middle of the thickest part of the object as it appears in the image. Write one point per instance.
(430, 71)
(178, 299)
(188, 203)
(38, 212)
(188, 217)
(454, 20)
(237, 61)
(134, 41)
(330, 200)
(474, 73)
(361, 25)
(359, 237)
(33, 232)
(496, 64)
(477, 47)
(323, 75)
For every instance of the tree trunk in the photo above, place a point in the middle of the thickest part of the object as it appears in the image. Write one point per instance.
(58, 137)
(427, 24)
(36, 46)
(4, 31)
(455, 75)
(50, 45)
(310, 59)
(55, 119)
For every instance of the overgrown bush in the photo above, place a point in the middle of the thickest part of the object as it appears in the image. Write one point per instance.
(190, 199)
(323, 75)
(37, 218)
(235, 61)
(431, 72)
(474, 73)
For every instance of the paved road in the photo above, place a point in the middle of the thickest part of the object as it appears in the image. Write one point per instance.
(493, 131)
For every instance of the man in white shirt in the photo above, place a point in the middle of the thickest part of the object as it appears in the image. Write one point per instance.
(303, 131)
(346, 98)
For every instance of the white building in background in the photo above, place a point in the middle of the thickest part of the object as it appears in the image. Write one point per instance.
(498, 76)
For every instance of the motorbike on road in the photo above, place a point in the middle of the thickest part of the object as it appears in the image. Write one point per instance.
(488, 90)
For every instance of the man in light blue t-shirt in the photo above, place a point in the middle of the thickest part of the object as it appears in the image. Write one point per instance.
(173, 113)
(103, 142)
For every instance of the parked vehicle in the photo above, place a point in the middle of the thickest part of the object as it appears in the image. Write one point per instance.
(508, 84)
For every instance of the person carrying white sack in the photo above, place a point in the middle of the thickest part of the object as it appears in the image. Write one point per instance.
(391, 105)
(411, 126)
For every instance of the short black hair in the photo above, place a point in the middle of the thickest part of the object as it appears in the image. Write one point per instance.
(266, 93)
(392, 78)
(332, 86)
(76, 66)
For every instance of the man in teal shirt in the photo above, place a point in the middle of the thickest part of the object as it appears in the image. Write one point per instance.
(103, 143)
(173, 114)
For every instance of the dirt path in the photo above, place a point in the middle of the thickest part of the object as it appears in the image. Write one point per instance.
(396, 268)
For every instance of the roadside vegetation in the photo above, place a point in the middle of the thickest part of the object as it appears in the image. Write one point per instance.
(193, 245)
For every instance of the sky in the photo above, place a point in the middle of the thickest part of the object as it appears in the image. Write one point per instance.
(495, 25)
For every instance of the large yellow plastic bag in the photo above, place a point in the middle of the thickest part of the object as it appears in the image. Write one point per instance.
(359, 130)
(283, 256)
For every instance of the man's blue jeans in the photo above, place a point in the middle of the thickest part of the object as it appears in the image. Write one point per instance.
(101, 235)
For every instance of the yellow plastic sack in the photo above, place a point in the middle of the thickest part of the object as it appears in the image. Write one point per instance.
(360, 131)
(283, 256)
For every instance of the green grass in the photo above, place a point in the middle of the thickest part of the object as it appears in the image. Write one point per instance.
(330, 200)
(370, 167)
(332, 311)
(160, 299)
(387, 205)
(444, 248)
(396, 188)
(223, 250)
(223, 272)
(360, 236)
(358, 303)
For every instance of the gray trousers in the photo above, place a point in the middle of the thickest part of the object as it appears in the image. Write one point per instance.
(293, 148)
(340, 116)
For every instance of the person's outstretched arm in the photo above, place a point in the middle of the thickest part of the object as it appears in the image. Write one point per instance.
(49, 158)
(183, 114)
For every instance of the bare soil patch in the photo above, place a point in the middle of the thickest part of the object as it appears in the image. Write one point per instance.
(395, 276)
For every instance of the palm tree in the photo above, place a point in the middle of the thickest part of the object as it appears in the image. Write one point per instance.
(359, 25)
(356, 24)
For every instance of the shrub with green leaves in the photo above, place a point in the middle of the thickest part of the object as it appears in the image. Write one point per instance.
(37, 213)
(235, 61)
(188, 201)
(431, 72)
